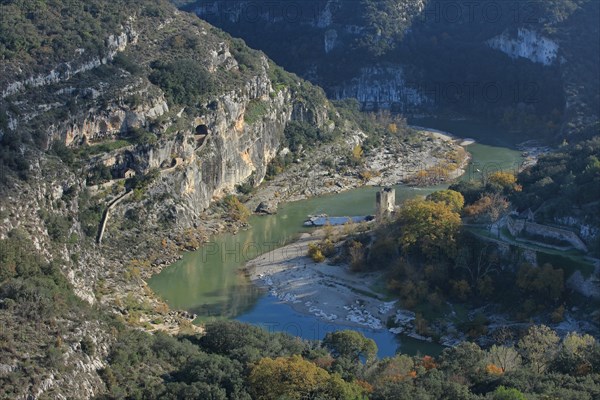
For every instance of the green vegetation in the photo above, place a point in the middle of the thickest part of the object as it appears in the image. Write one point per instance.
(140, 183)
(255, 111)
(429, 258)
(299, 135)
(37, 309)
(278, 165)
(184, 81)
(564, 183)
(246, 57)
(231, 360)
(235, 209)
(90, 214)
(32, 30)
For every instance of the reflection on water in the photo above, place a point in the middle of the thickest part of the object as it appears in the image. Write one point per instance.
(210, 283)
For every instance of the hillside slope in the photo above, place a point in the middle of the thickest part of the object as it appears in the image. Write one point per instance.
(530, 66)
(129, 100)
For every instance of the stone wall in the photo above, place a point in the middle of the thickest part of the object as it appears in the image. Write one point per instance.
(517, 226)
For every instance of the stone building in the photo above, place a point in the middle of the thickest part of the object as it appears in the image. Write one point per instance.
(129, 173)
(385, 202)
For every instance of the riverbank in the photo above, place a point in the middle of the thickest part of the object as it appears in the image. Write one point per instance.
(425, 157)
(322, 170)
(331, 293)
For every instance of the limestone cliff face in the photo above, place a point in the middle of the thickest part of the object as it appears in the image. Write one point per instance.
(233, 151)
(317, 35)
(80, 63)
(383, 86)
(92, 105)
(338, 45)
(526, 44)
(91, 109)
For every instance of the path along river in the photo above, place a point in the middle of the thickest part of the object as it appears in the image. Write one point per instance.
(209, 281)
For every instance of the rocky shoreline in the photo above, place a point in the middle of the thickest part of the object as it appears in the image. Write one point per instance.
(302, 180)
(393, 163)
(329, 292)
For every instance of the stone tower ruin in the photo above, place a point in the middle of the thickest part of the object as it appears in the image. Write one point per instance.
(385, 202)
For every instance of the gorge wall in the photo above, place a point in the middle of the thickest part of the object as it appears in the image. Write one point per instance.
(429, 49)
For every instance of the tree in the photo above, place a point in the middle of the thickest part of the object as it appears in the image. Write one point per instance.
(184, 82)
(295, 378)
(315, 253)
(479, 261)
(574, 356)
(488, 209)
(503, 182)
(356, 157)
(292, 377)
(466, 359)
(235, 209)
(357, 256)
(454, 199)
(544, 283)
(503, 393)
(539, 347)
(429, 227)
(398, 368)
(351, 345)
(505, 357)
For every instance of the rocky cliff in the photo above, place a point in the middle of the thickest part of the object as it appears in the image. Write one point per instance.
(167, 109)
(200, 152)
(529, 52)
(526, 44)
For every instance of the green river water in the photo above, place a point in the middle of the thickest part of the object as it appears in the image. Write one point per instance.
(209, 281)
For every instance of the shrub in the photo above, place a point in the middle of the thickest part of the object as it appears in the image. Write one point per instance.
(255, 111)
(235, 209)
(315, 253)
(184, 81)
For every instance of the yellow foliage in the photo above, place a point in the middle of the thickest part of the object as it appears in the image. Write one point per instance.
(428, 225)
(357, 152)
(493, 369)
(236, 210)
(296, 378)
(452, 198)
(315, 253)
(366, 175)
(505, 179)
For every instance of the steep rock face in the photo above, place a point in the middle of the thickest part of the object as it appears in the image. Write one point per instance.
(233, 152)
(81, 63)
(336, 44)
(383, 87)
(92, 109)
(318, 39)
(526, 44)
(110, 122)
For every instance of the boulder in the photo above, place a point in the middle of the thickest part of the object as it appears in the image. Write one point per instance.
(266, 208)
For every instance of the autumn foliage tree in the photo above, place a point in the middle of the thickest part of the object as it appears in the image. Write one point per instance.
(296, 378)
(504, 181)
(429, 227)
(453, 199)
(488, 209)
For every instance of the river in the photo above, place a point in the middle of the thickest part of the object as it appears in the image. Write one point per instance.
(209, 281)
